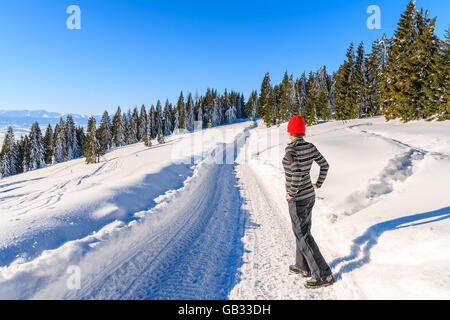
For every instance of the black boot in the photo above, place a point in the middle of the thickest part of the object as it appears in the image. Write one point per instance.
(296, 270)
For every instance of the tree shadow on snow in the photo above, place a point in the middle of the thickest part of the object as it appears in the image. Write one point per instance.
(369, 239)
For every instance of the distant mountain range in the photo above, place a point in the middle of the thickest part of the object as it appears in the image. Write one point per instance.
(28, 117)
(21, 120)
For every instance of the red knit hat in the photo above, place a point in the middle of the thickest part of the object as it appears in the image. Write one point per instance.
(297, 125)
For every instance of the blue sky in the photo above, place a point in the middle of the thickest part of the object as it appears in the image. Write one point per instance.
(134, 52)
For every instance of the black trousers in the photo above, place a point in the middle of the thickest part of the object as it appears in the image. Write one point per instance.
(308, 256)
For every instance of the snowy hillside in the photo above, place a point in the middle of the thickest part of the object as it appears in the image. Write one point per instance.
(204, 217)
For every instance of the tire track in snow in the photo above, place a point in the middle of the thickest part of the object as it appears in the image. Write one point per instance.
(193, 251)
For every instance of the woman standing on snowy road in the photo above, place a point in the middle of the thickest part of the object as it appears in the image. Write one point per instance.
(300, 195)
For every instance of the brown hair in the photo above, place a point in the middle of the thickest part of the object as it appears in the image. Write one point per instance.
(298, 135)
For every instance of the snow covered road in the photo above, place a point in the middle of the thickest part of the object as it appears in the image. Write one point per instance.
(193, 253)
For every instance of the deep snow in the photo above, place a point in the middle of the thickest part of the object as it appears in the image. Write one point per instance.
(145, 223)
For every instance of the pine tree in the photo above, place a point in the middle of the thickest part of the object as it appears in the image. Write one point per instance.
(142, 124)
(126, 118)
(8, 164)
(20, 155)
(309, 111)
(176, 121)
(199, 117)
(229, 108)
(252, 105)
(442, 78)
(168, 118)
(322, 94)
(189, 113)
(269, 108)
(287, 100)
(216, 114)
(344, 96)
(323, 105)
(48, 145)
(148, 138)
(424, 63)
(161, 139)
(397, 64)
(437, 84)
(359, 82)
(300, 95)
(60, 148)
(26, 163)
(411, 59)
(105, 133)
(158, 117)
(80, 139)
(118, 129)
(181, 108)
(265, 98)
(71, 139)
(375, 63)
(37, 154)
(133, 126)
(92, 148)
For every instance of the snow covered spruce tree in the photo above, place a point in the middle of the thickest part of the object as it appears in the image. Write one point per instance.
(92, 147)
(48, 145)
(199, 116)
(229, 107)
(344, 94)
(375, 64)
(26, 154)
(118, 130)
(438, 85)
(161, 139)
(411, 62)
(359, 82)
(20, 155)
(133, 126)
(168, 118)
(8, 155)
(301, 97)
(104, 133)
(126, 117)
(181, 108)
(72, 150)
(142, 124)
(158, 122)
(60, 149)
(309, 112)
(252, 105)
(287, 98)
(264, 93)
(441, 79)
(266, 105)
(37, 154)
(216, 114)
(80, 139)
(190, 113)
(148, 138)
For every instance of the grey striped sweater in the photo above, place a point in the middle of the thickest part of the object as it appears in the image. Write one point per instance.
(297, 164)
